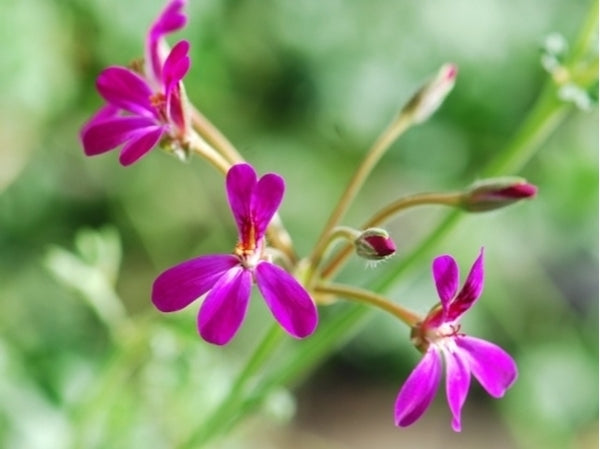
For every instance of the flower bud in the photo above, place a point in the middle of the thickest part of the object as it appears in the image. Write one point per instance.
(374, 244)
(429, 98)
(495, 193)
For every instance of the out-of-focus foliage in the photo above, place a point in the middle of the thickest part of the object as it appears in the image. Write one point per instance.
(302, 88)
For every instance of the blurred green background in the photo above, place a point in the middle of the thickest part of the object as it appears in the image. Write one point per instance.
(302, 88)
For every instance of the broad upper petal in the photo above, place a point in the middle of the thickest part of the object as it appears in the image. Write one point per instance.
(266, 200)
(170, 19)
(176, 65)
(140, 144)
(125, 89)
(178, 286)
(105, 134)
(418, 391)
(493, 367)
(225, 306)
(458, 379)
(470, 291)
(240, 182)
(288, 301)
(445, 276)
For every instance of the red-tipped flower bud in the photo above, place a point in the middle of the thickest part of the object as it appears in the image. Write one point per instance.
(374, 244)
(429, 98)
(493, 194)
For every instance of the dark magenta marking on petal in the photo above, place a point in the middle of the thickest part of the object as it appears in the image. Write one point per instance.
(470, 292)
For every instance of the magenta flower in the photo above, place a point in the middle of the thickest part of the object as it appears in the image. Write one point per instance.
(438, 336)
(228, 278)
(143, 108)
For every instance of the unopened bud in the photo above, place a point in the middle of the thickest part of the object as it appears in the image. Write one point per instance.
(429, 97)
(374, 244)
(493, 194)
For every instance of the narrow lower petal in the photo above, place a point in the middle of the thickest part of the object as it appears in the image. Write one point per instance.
(224, 308)
(104, 113)
(104, 135)
(470, 292)
(125, 89)
(288, 301)
(458, 380)
(178, 286)
(445, 276)
(493, 367)
(418, 391)
(241, 180)
(266, 200)
(140, 144)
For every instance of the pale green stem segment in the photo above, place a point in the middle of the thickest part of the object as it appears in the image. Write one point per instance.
(372, 299)
(544, 118)
(202, 148)
(452, 199)
(215, 137)
(389, 135)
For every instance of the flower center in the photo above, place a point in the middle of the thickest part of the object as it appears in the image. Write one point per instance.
(248, 249)
(422, 335)
(159, 103)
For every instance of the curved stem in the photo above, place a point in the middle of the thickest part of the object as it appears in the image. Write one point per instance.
(203, 149)
(538, 125)
(215, 137)
(373, 299)
(420, 199)
(389, 135)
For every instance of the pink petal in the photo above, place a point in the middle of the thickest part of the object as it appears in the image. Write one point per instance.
(176, 65)
(171, 19)
(470, 291)
(104, 113)
(224, 308)
(445, 276)
(140, 144)
(241, 180)
(266, 200)
(178, 286)
(493, 367)
(458, 379)
(104, 135)
(288, 301)
(418, 391)
(176, 108)
(125, 89)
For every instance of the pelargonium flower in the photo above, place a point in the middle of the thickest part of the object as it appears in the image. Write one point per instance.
(228, 278)
(439, 337)
(143, 108)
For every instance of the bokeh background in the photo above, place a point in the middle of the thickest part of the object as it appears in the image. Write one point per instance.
(302, 88)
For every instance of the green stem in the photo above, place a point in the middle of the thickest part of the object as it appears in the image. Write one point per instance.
(226, 411)
(389, 211)
(544, 118)
(389, 135)
(368, 297)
